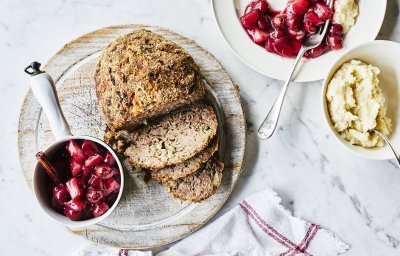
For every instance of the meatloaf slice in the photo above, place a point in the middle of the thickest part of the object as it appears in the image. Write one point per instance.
(116, 140)
(189, 166)
(197, 186)
(173, 138)
(142, 75)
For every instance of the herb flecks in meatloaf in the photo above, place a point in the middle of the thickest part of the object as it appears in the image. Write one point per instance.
(199, 185)
(189, 166)
(142, 75)
(173, 138)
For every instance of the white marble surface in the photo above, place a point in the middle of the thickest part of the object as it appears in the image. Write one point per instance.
(356, 198)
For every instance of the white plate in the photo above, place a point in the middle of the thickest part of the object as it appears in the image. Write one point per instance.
(385, 55)
(227, 13)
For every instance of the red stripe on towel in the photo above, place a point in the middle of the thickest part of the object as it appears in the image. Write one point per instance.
(293, 245)
(305, 242)
(317, 227)
(247, 211)
(123, 252)
(268, 229)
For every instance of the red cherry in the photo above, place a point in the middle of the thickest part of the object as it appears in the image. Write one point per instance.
(60, 194)
(75, 167)
(73, 215)
(75, 204)
(293, 23)
(94, 195)
(323, 11)
(262, 23)
(296, 47)
(82, 183)
(90, 148)
(103, 171)
(316, 52)
(313, 18)
(298, 6)
(257, 35)
(249, 7)
(250, 19)
(96, 182)
(334, 42)
(86, 171)
(111, 185)
(310, 27)
(55, 205)
(297, 35)
(109, 159)
(277, 34)
(269, 45)
(100, 209)
(336, 29)
(261, 6)
(284, 48)
(93, 160)
(74, 187)
(75, 151)
(279, 21)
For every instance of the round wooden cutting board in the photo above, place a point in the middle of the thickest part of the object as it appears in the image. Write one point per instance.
(147, 216)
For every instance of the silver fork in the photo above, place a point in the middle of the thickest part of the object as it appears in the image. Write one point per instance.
(386, 139)
(267, 127)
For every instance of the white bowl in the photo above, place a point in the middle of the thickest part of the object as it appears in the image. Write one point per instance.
(227, 13)
(40, 187)
(385, 55)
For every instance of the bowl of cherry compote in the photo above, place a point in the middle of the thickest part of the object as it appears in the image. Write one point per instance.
(283, 32)
(90, 181)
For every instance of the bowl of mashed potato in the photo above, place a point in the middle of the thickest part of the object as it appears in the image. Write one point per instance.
(360, 93)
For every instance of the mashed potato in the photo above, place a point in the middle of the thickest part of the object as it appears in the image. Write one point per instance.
(345, 14)
(356, 104)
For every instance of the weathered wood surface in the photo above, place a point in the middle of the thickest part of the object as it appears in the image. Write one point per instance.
(146, 215)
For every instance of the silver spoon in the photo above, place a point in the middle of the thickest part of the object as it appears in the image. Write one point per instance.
(267, 127)
(386, 139)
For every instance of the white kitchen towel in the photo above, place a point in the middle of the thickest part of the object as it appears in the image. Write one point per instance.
(259, 225)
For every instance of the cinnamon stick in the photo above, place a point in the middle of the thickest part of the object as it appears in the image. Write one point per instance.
(48, 167)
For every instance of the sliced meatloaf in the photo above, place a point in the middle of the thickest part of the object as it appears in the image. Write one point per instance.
(197, 186)
(142, 75)
(189, 166)
(115, 140)
(173, 138)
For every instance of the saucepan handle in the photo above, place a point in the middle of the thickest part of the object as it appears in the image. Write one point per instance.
(44, 89)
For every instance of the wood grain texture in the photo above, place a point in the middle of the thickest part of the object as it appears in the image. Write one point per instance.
(146, 215)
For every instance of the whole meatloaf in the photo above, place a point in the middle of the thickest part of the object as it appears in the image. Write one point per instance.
(197, 186)
(189, 166)
(143, 75)
(172, 139)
